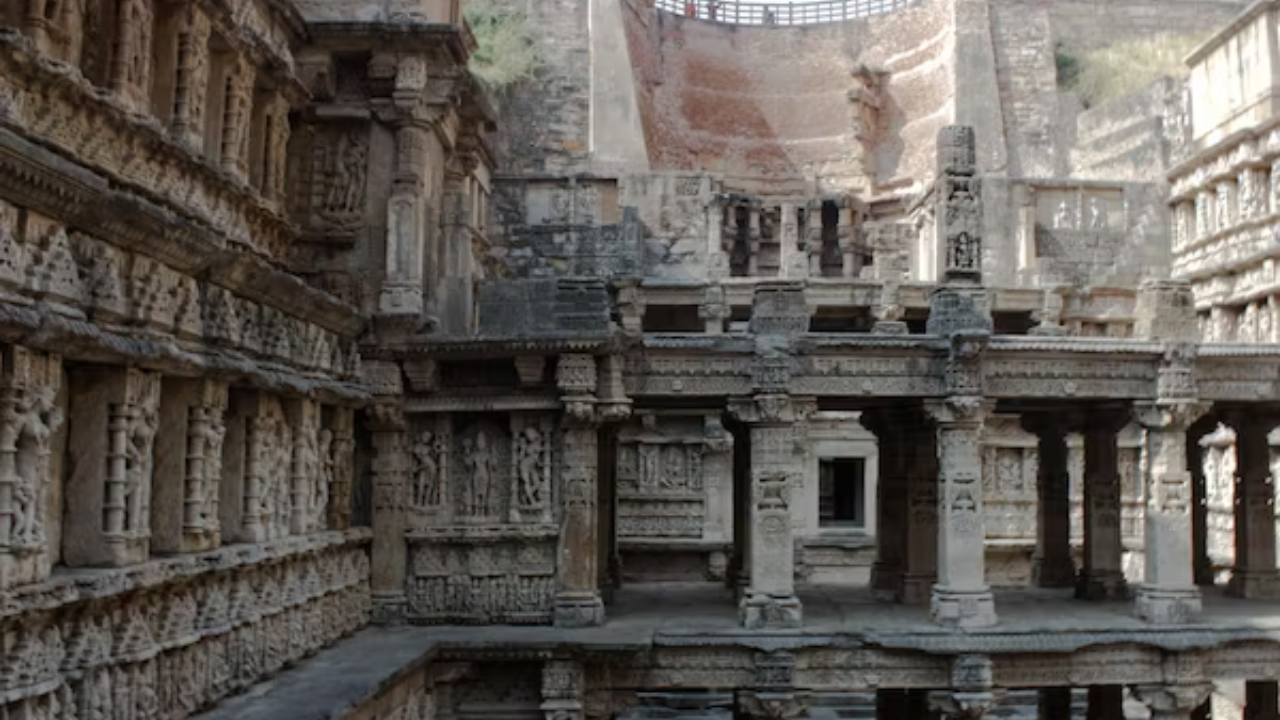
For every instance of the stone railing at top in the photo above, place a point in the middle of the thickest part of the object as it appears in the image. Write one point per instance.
(779, 13)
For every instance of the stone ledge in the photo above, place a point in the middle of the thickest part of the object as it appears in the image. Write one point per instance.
(73, 585)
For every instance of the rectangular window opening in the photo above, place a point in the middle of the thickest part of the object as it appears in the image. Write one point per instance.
(842, 499)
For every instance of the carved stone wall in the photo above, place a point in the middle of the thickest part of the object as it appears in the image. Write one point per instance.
(166, 639)
(482, 505)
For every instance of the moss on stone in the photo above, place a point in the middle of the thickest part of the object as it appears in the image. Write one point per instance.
(507, 51)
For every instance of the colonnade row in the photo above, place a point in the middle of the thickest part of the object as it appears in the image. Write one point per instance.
(930, 537)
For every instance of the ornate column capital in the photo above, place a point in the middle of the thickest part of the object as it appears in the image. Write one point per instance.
(1173, 416)
(959, 410)
(962, 705)
(765, 409)
(576, 378)
(384, 416)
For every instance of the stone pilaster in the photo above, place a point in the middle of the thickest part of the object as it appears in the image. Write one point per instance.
(1102, 577)
(189, 446)
(191, 80)
(891, 503)
(30, 418)
(238, 114)
(1173, 702)
(1254, 574)
(110, 449)
(338, 447)
(578, 602)
(390, 469)
(1053, 566)
(1169, 593)
(961, 598)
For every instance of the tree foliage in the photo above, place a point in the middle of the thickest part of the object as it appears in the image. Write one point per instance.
(507, 52)
(1117, 70)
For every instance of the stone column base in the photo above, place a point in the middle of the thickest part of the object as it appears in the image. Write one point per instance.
(963, 609)
(916, 588)
(1102, 585)
(759, 611)
(884, 581)
(387, 608)
(1051, 574)
(578, 610)
(889, 327)
(1167, 606)
(1254, 584)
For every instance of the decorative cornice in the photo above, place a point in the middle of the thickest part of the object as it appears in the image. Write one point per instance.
(36, 178)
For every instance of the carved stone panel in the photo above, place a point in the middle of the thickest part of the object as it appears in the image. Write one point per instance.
(509, 581)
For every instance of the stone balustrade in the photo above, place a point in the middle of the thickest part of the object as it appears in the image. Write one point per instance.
(782, 13)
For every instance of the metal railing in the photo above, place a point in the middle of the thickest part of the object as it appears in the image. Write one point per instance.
(777, 13)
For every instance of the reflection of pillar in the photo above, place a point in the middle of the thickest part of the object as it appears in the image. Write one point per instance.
(961, 597)
(770, 600)
(1053, 566)
(1260, 700)
(1168, 594)
(1254, 574)
(390, 470)
(1102, 578)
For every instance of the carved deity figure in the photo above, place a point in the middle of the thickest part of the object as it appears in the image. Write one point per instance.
(137, 478)
(1264, 322)
(1062, 217)
(211, 436)
(531, 466)
(426, 471)
(673, 469)
(1097, 214)
(347, 175)
(1008, 472)
(29, 421)
(480, 464)
(649, 472)
(324, 482)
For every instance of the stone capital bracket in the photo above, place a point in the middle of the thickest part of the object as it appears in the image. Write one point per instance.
(960, 410)
(1173, 700)
(774, 705)
(765, 409)
(386, 416)
(1172, 415)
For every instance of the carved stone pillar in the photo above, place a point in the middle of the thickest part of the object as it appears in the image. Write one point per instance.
(1053, 566)
(191, 81)
(1254, 574)
(1106, 702)
(390, 469)
(414, 179)
(30, 420)
(1173, 702)
(1202, 566)
(920, 571)
(1169, 593)
(108, 491)
(563, 684)
(770, 601)
(578, 602)
(972, 695)
(131, 60)
(1261, 701)
(189, 446)
(891, 504)
(961, 598)
(1102, 577)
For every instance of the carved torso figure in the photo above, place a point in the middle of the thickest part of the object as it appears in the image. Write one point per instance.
(530, 450)
(426, 472)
